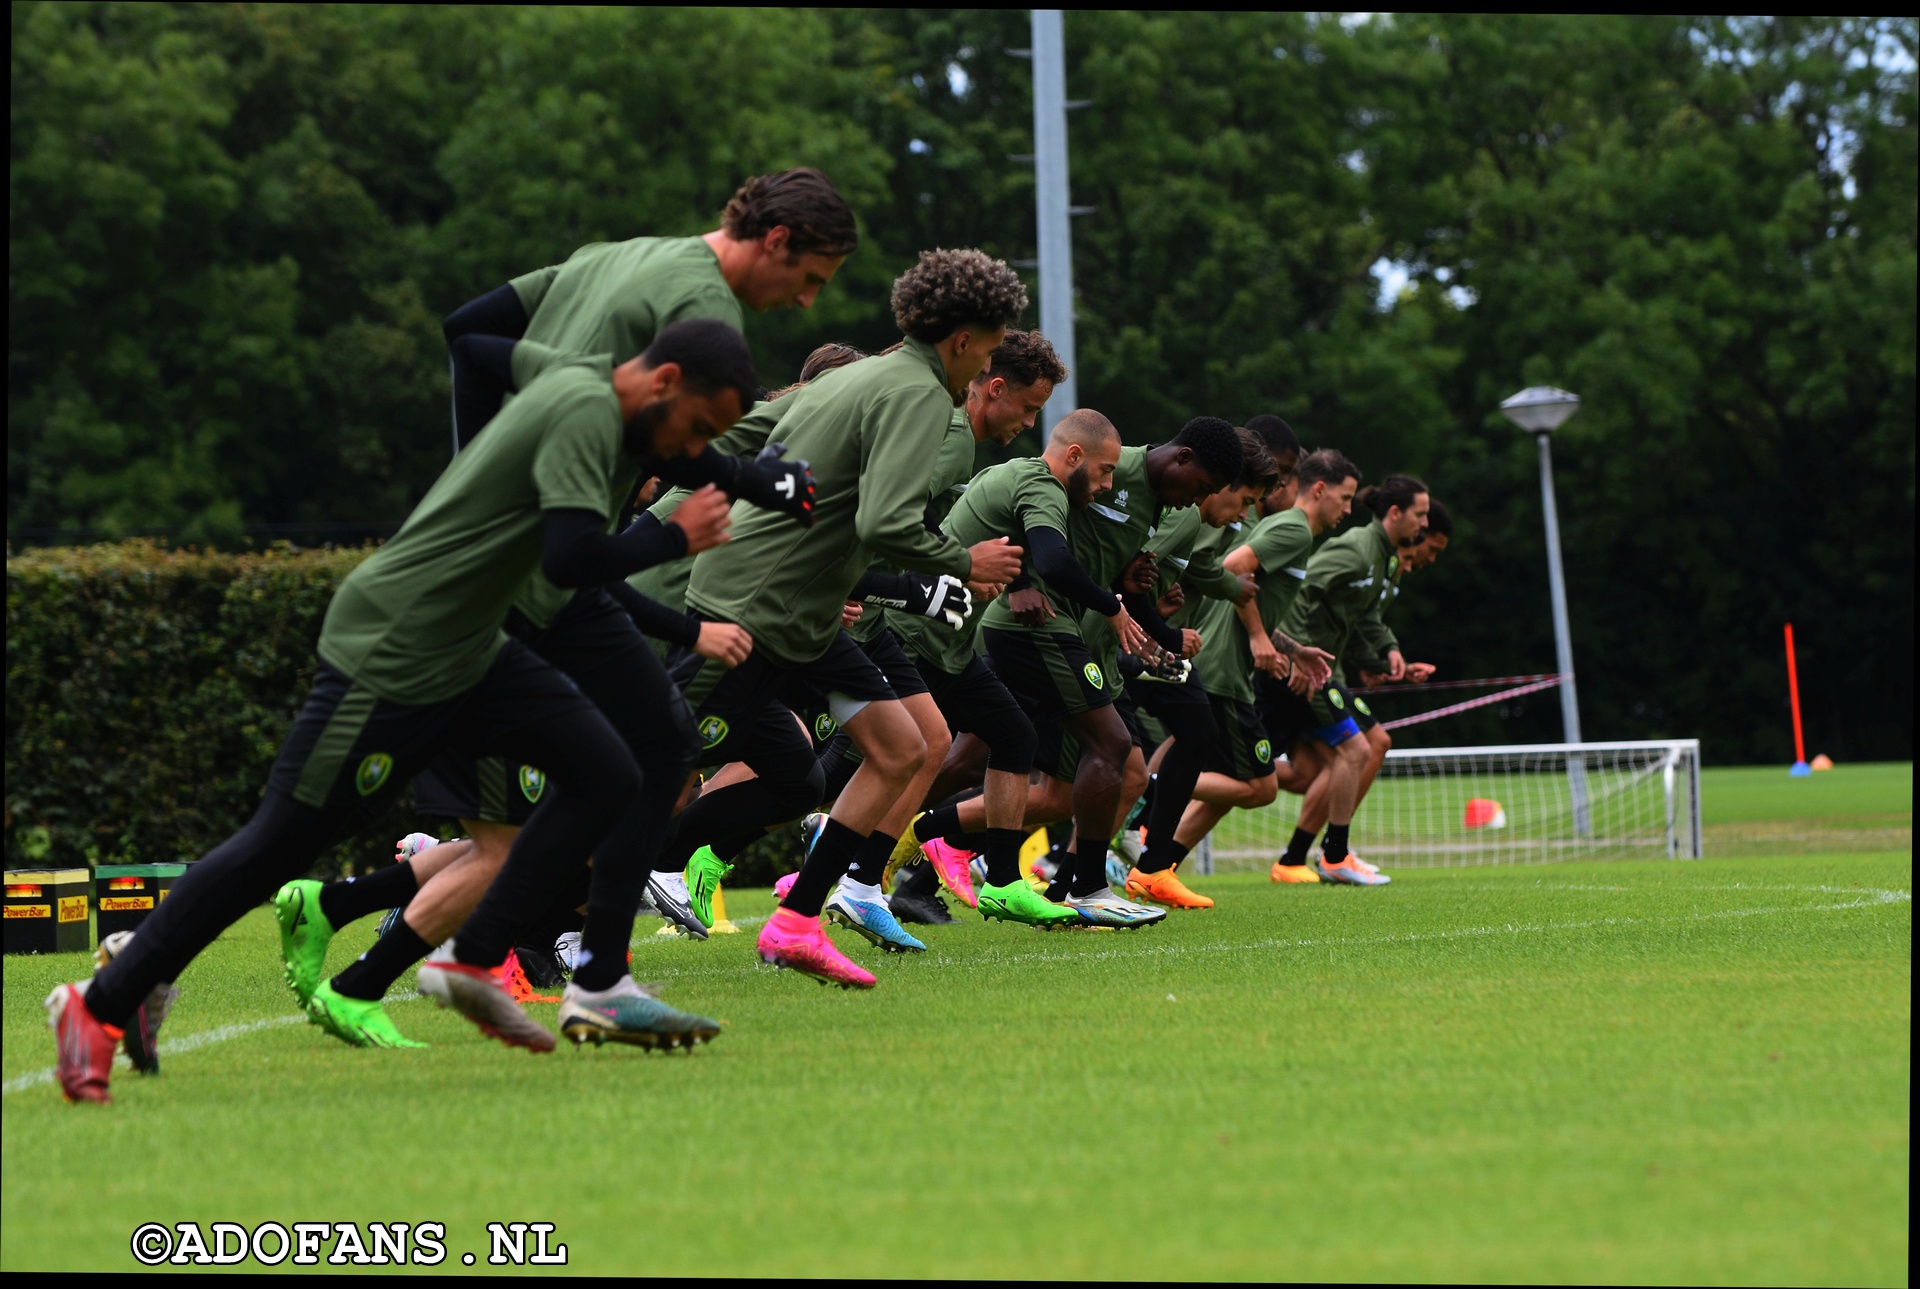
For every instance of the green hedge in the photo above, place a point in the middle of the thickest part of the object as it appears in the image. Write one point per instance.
(149, 689)
(147, 693)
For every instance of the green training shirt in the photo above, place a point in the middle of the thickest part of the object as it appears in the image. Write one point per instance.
(1004, 500)
(872, 431)
(949, 472)
(615, 297)
(1104, 536)
(1284, 545)
(419, 622)
(1346, 579)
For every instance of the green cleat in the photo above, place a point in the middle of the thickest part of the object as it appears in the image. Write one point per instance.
(1019, 902)
(305, 934)
(357, 1021)
(705, 872)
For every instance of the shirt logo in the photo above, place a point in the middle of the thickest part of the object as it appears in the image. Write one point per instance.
(532, 783)
(713, 731)
(1092, 672)
(823, 727)
(1360, 705)
(372, 773)
(1263, 751)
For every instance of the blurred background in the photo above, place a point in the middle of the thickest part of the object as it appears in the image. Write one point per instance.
(234, 228)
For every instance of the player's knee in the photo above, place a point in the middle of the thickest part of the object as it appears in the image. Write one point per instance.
(1261, 792)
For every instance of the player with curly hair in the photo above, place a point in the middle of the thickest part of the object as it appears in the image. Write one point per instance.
(870, 433)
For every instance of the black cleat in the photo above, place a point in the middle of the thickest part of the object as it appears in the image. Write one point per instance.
(916, 897)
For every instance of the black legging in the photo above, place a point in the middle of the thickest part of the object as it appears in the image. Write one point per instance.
(1192, 728)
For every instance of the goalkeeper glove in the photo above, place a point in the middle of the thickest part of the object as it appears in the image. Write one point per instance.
(944, 597)
(775, 484)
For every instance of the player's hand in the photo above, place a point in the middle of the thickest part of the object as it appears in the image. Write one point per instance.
(644, 496)
(1248, 589)
(995, 561)
(775, 484)
(1134, 640)
(985, 592)
(704, 518)
(1396, 665)
(723, 642)
(1189, 643)
(1299, 683)
(1315, 664)
(1172, 602)
(1029, 606)
(1372, 679)
(1142, 574)
(850, 613)
(942, 598)
(1266, 658)
(1419, 672)
(1170, 667)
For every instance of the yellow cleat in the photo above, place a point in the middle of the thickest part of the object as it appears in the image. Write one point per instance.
(1165, 889)
(1300, 874)
(905, 851)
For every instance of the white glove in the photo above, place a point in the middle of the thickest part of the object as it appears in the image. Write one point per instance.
(944, 597)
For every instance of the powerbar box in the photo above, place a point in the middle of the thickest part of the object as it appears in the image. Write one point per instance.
(46, 910)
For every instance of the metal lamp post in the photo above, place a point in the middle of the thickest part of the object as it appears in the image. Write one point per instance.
(1540, 411)
(1051, 206)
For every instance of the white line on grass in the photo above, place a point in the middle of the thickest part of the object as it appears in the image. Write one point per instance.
(1868, 898)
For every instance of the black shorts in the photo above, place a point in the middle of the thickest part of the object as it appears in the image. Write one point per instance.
(1241, 748)
(1058, 751)
(730, 704)
(1288, 717)
(594, 643)
(1334, 718)
(1052, 673)
(884, 650)
(349, 752)
(1362, 714)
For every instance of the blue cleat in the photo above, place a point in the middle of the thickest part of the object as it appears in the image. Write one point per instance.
(872, 919)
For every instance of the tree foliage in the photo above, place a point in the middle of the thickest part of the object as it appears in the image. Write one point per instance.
(235, 226)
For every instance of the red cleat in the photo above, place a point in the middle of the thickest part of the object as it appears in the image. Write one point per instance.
(86, 1045)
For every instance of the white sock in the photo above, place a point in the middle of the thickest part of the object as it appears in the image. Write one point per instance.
(621, 988)
(866, 894)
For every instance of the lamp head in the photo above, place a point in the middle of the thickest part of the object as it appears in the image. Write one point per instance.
(1541, 409)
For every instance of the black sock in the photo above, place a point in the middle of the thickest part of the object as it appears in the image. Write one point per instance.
(603, 950)
(1172, 853)
(1297, 848)
(1003, 855)
(831, 854)
(1089, 866)
(1336, 843)
(937, 822)
(374, 972)
(870, 861)
(351, 900)
(1063, 866)
(917, 880)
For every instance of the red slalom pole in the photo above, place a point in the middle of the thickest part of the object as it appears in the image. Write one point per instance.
(1793, 694)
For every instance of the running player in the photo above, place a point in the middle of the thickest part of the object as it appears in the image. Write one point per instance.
(871, 431)
(1345, 579)
(1244, 641)
(413, 659)
(1035, 639)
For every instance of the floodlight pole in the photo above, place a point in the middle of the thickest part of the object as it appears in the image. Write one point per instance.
(1051, 201)
(1540, 411)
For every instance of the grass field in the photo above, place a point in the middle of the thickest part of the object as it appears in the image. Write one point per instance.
(1634, 1071)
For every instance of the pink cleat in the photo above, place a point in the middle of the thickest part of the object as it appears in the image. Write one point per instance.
(785, 884)
(800, 944)
(950, 862)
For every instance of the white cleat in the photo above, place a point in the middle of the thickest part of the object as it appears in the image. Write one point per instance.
(1104, 908)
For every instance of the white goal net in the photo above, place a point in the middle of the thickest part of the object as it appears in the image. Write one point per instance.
(1524, 804)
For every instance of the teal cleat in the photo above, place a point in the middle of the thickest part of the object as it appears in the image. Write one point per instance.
(873, 920)
(627, 1013)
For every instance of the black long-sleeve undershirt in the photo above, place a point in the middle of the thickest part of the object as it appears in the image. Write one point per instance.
(579, 551)
(480, 337)
(1047, 555)
(1146, 612)
(654, 618)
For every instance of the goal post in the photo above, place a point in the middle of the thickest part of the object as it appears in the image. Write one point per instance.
(1528, 803)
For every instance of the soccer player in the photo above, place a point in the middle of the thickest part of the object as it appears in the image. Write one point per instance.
(1244, 642)
(1188, 550)
(413, 659)
(1035, 639)
(781, 239)
(1345, 579)
(871, 431)
(1028, 499)
(592, 639)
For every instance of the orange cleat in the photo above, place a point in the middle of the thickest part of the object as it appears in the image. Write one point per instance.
(1165, 889)
(1301, 874)
(513, 978)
